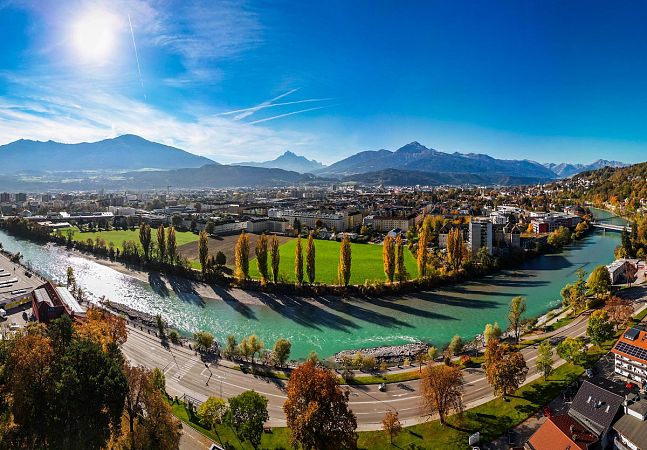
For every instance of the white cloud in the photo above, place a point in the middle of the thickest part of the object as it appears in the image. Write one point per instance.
(71, 118)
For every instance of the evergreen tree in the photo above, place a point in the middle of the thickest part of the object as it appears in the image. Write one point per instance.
(261, 256)
(310, 258)
(276, 258)
(242, 257)
(298, 261)
(388, 257)
(345, 259)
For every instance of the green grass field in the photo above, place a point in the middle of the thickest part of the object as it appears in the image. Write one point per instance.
(118, 237)
(366, 262)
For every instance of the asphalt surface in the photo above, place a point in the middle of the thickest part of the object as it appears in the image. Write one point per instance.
(186, 374)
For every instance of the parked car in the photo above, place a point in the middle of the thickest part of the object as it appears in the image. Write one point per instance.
(382, 387)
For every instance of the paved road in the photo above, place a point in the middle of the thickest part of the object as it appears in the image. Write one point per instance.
(187, 374)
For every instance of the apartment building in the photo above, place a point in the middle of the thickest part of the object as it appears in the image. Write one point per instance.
(549, 222)
(631, 356)
(339, 221)
(479, 235)
(387, 223)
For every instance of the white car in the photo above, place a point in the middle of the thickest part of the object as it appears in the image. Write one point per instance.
(3, 313)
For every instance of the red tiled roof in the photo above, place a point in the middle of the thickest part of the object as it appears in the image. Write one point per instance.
(556, 433)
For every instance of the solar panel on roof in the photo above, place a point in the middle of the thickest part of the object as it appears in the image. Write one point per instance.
(632, 350)
(632, 334)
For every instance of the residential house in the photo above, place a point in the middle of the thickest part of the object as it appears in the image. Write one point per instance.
(597, 405)
(631, 428)
(561, 432)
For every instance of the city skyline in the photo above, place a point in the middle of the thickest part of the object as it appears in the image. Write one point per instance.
(550, 82)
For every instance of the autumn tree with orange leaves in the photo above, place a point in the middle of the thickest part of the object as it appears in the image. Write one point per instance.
(391, 425)
(505, 367)
(619, 310)
(103, 328)
(317, 410)
(442, 390)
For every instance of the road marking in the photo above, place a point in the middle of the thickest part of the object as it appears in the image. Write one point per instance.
(184, 369)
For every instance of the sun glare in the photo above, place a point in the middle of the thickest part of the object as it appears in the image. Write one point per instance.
(94, 35)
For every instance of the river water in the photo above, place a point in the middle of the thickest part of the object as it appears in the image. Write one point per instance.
(327, 327)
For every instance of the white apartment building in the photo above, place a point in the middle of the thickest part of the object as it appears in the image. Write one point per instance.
(479, 235)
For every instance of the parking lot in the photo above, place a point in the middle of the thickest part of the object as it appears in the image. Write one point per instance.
(15, 280)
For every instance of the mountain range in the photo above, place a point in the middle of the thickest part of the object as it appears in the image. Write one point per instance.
(417, 157)
(127, 152)
(287, 161)
(130, 161)
(396, 177)
(565, 170)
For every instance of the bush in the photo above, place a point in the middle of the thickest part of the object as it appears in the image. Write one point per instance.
(174, 336)
(369, 363)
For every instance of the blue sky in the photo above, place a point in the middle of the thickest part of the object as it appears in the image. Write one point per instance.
(549, 81)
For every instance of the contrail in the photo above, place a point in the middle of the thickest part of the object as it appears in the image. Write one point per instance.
(286, 114)
(272, 105)
(139, 70)
(249, 111)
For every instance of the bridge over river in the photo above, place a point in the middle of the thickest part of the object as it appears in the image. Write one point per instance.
(611, 227)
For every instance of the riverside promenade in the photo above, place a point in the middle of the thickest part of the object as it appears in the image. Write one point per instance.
(187, 374)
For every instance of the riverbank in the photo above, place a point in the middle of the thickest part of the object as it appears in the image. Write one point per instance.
(325, 324)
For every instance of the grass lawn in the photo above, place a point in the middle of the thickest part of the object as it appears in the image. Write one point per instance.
(366, 262)
(560, 323)
(118, 237)
(278, 438)
(398, 377)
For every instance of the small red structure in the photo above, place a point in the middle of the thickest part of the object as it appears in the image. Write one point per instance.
(50, 302)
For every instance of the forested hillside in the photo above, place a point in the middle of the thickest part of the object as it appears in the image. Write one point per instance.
(614, 185)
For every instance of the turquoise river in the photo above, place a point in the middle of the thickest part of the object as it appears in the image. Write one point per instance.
(327, 326)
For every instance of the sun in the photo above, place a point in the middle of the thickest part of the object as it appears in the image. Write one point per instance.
(94, 35)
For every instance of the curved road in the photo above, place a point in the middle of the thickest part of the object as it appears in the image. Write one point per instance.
(187, 374)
